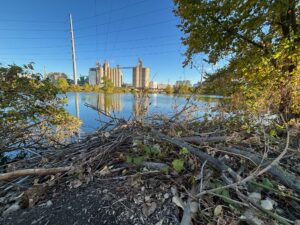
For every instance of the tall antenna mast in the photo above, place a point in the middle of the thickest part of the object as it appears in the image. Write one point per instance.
(73, 51)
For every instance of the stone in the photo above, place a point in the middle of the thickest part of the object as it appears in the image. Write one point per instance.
(148, 210)
(174, 190)
(166, 195)
(255, 196)
(250, 217)
(49, 203)
(267, 204)
(147, 198)
(2, 200)
(218, 210)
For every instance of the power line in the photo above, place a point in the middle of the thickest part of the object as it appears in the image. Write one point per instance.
(32, 21)
(18, 29)
(122, 19)
(93, 58)
(35, 47)
(89, 44)
(36, 53)
(87, 51)
(131, 28)
(112, 10)
(138, 47)
(31, 38)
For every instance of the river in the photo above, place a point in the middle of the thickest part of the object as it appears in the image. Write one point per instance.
(126, 105)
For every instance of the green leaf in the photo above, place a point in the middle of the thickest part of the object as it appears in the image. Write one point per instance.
(178, 165)
(183, 151)
(266, 182)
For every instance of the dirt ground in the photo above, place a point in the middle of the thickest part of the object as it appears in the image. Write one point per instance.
(102, 202)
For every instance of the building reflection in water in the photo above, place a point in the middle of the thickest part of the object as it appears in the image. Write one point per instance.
(140, 105)
(107, 103)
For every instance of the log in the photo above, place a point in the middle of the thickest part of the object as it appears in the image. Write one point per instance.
(203, 156)
(276, 171)
(154, 165)
(30, 172)
(200, 140)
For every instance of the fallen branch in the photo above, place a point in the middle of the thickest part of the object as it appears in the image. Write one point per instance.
(200, 140)
(276, 171)
(203, 156)
(30, 172)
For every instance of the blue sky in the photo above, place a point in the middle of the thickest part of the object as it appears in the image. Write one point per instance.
(117, 30)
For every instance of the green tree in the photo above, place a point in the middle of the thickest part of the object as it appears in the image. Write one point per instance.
(62, 84)
(182, 89)
(54, 76)
(261, 41)
(87, 87)
(74, 88)
(169, 89)
(108, 86)
(31, 114)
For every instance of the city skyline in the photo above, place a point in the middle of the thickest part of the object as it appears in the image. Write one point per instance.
(117, 31)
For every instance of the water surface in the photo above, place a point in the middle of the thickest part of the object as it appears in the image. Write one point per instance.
(128, 105)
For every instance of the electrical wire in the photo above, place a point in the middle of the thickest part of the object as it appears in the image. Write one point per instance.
(109, 11)
(122, 19)
(131, 28)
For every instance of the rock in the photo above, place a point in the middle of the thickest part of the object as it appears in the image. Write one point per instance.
(297, 222)
(218, 210)
(166, 195)
(104, 171)
(148, 210)
(49, 203)
(106, 134)
(75, 184)
(174, 190)
(147, 198)
(267, 204)
(11, 209)
(143, 188)
(251, 218)
(2, 200)
(255, 196)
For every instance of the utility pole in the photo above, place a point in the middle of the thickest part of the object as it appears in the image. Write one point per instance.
(73, 51)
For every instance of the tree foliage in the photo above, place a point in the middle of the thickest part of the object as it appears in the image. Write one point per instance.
(62, 84)
(108, 86)
(54, 76)
(182, 89)
(260, 40)
(169, 89)
(31, 113)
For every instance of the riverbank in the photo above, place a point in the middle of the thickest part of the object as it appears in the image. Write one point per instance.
(160, 171)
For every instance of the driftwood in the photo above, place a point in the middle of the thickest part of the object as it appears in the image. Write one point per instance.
(30, 172)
